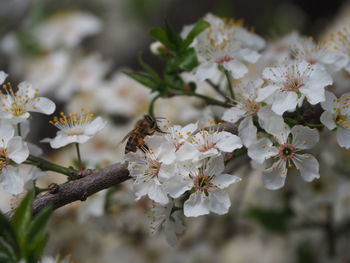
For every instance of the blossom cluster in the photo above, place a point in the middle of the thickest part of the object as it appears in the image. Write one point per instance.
(186, 167)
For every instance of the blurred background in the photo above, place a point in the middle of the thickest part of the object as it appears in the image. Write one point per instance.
(75, 52)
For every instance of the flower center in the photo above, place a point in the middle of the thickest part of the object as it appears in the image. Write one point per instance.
(223, 59)
(4, 160)
(293, 85)
(153, 168)
(18, 109)
(202, 182)
(252, 107)
(287, 152)
(341, 120)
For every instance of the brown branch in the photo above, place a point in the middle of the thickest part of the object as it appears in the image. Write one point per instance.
(81, 189)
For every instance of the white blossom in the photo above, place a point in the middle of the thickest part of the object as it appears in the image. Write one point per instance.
(150, 169)
(75, 128)
(15, 106)
(284, 153)
(163, 217)
(337, 115)
(206, 181)
(12, 149)
(226, 44)
(288, 85)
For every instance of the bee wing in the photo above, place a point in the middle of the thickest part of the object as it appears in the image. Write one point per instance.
(127, 136)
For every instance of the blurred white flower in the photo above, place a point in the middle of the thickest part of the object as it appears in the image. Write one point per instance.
(75, 128)
(123, 95)
(319, 54)
(163, 217)
(12, 148)
(341, 42)
(15, 107)
(85, 74)
(3, 76)
(287, 86)
(337, 115)
(67, 29)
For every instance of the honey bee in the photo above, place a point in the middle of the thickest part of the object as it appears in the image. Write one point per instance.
(146, 126)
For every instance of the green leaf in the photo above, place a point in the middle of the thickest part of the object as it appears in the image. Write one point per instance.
(186, 61)
(37, 249)
(7, 252)
(7, 233)
(198, 28)
(143, 79)
(37, 226)
(173, 36)
(148, 69)
(160, 35)
(23, 216)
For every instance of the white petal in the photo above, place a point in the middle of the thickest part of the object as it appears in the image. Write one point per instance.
(6, 132)
(262, 150)
(17, 149)
(206, 71)
(275, 176)
(12, 181)
(224, 180)
(43, 105)
(237, 68)
(3, 76)
(81, 138)
(196, 205)
(266, 92)
(273, 74)
(219, 202)
(61, 139)
(328, 104)
(249, 55)
(308, 166)
(157, 194)
(187, 152)
(177, 185)
(304, 137)
(95, 126)
(343, 137)
(314, 88)
(228, 142)
(270, 121)
(284, 101)
(247, 131)
(327, 120)
(233, 114)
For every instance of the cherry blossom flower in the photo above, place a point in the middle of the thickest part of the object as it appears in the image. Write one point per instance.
(337, 115)
(163, 217)
(206, 180)
(319, 54)
(341, 42)
(206, 143)
(150, 169)
(12, 149)
(286, 152)
(75, 128)
(3, 76)
(15, 106)
(245, 107)
(288, 85)
(67, 28)
(226, 44)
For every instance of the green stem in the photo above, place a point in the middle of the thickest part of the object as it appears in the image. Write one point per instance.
(48, 166)
(229, 84)
(217, 89)
(80, 164)
(208, 99)
(151, 105)
(19, 129)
